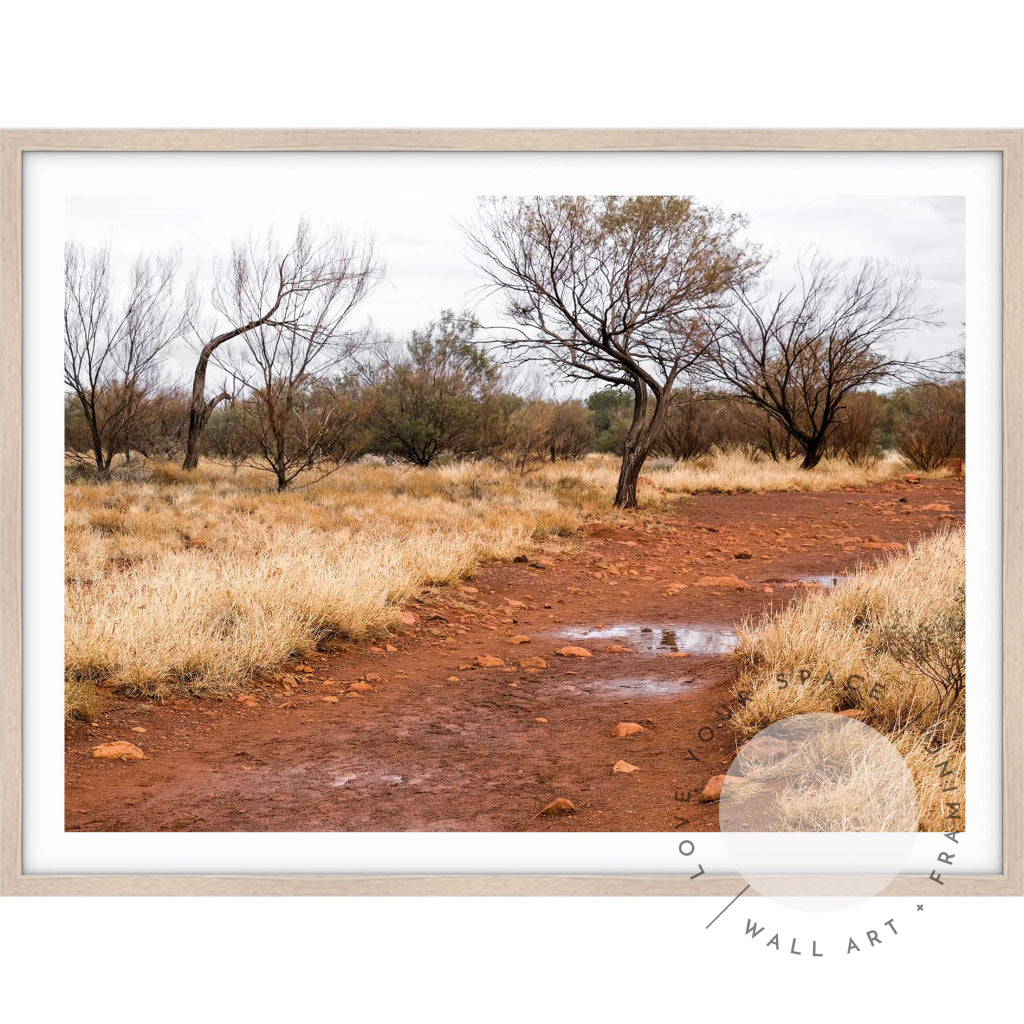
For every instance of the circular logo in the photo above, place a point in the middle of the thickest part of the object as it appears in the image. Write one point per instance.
(831, 776)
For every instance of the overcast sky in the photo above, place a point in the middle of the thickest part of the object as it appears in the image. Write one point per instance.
(428, 261)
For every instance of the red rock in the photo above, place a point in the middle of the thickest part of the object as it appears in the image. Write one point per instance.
(713, 789)
(624, 729)
(560, 805)
(519, 638)
(574, 652)
(532, 663)
(624, 766)
(618, 649)
(724, 582)
(489, 661)
(118, 750)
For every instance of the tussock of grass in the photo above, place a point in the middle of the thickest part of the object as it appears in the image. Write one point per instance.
(205, 579)
(837, 634)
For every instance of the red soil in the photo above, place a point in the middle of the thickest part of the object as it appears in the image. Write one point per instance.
(424, 752)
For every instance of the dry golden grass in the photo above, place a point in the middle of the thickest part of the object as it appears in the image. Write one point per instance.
(203, 580)
(834, 635)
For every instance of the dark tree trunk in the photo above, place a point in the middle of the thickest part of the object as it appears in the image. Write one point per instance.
(200, 409)
(639, 441)
(813, 452)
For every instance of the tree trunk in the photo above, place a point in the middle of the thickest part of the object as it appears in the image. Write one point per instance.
(200, 409)
(639, 441)
(629, 474)
(197, 411)
(812, 454)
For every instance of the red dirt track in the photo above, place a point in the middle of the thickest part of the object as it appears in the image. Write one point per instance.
(422, 753)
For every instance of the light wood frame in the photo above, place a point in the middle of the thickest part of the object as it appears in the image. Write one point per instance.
(14, 144)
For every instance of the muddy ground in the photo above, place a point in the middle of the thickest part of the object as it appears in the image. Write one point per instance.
(439, 743)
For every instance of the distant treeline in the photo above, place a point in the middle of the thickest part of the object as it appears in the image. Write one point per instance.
(440, 396)
(655, 305)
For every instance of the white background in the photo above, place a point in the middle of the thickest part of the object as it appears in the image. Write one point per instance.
(489, 65)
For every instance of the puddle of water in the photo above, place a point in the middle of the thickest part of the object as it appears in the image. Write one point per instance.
(632, 686)
(696, 639)
(826, 580)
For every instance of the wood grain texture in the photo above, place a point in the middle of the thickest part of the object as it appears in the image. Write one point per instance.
(1010, 143)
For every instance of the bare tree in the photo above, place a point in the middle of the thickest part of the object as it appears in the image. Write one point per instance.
(930, 423)
(114, 349)
(290, 412)
(856, 432)
(799, 355)
(303, 291)
(609, 288)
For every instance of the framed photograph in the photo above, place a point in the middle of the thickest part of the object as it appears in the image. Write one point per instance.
(512, 512)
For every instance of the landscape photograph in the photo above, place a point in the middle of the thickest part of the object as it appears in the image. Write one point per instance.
(462, 512)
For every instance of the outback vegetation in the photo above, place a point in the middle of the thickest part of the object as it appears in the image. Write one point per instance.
(309, 477)
(887, 647)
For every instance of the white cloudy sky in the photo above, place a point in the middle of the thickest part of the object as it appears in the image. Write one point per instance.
(416, 229)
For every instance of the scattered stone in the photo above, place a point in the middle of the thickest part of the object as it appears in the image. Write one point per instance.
(489, 661)
(408, 618)
(542, 563)
(137, 728)
(624, 729)
(330, 699)
(532, 663)
(518, 638)
(574, 652)
(713, 789)
(118, 750)
(731, 582)
(359, 688)
(453, 679)
(743, 555)
(520, 558)
(618, 649)
(560, 805)
(624, 766)
(541, 721)
(912, 479)
(677, 654)
(936, 506)
(373, 677)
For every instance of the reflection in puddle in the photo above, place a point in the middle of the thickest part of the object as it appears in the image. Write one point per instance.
(694, 639)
